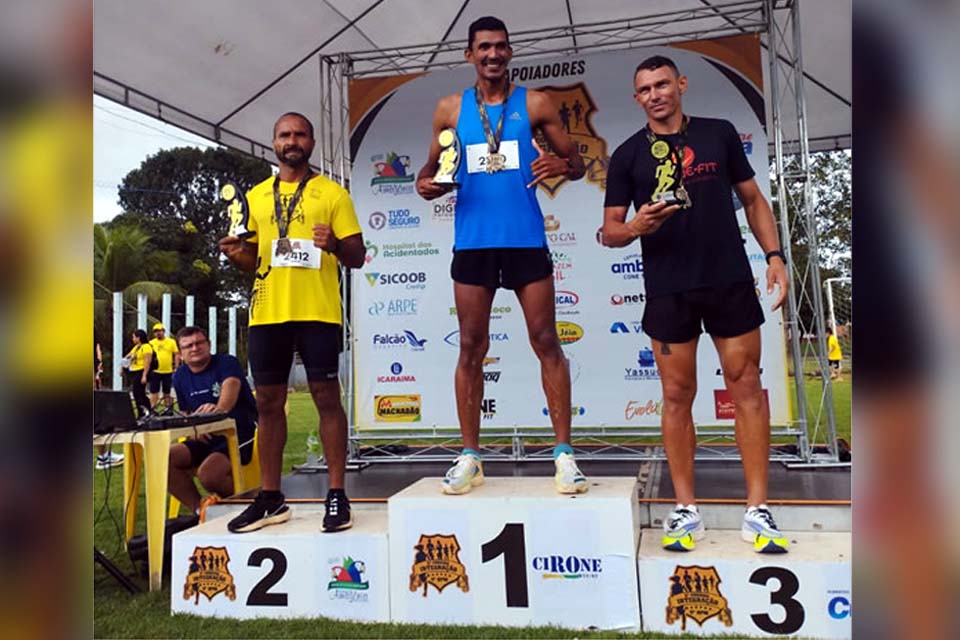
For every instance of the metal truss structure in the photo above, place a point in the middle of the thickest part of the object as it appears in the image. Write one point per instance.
(777, 23)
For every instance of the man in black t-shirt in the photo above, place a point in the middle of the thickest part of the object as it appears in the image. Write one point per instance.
(697, 276)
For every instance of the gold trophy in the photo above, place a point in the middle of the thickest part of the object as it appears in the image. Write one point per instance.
(237, 210)
(449, 161)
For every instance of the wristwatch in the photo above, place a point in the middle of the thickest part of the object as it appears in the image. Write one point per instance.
(776, 253)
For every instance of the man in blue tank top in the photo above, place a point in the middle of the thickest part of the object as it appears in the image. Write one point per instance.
(499, 239)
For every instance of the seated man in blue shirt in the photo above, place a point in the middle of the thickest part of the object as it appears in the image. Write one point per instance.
(208, 383)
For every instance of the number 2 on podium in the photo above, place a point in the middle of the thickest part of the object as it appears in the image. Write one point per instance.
(509, 544)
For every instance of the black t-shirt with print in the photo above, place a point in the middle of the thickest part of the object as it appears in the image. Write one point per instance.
(696, 247)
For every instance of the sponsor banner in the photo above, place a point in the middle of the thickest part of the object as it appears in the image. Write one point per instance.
(599, 295)
(723, 404)
(397, 408)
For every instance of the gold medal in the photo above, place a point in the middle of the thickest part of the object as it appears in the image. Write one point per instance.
(228, 192)
(283, 246)
(660, 149)
(496, 162)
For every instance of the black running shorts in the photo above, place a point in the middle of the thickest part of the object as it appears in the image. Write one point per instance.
(507, 268)
(271, 348)
(724, 312)
(156, 381)
(200, 450)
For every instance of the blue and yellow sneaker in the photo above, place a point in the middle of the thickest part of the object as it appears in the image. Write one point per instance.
(466, 473)
(760, 529)
(682, 528)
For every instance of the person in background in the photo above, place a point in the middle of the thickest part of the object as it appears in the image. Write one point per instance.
(168, 359)
(140, 358)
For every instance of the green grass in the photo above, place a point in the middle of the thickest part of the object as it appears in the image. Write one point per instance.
(147, 615)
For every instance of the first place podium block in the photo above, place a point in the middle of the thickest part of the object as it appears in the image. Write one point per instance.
(283, 571)
(514, 552)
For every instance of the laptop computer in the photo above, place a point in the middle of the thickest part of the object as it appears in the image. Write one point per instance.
(113, 412)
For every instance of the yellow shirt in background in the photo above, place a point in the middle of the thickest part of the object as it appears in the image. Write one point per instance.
(137, 356)
(285, 294)
(164, 349)
(833, 348)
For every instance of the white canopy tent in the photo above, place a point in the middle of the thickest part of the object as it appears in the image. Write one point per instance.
(224, 69)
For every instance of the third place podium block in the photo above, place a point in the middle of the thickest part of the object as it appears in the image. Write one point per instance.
(514, 552)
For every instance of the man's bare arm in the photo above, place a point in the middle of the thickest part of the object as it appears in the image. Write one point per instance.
(567, 161)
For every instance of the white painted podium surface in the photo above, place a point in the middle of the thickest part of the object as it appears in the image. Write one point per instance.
(514, 552)
(292, 570)
(723, 586)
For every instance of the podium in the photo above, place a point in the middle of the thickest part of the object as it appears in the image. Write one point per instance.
(514, 552)
(291, 570)
(723, 586)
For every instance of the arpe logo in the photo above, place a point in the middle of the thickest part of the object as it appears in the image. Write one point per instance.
(394, 307)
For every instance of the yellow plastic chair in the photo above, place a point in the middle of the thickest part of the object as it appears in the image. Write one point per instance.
(249, 476)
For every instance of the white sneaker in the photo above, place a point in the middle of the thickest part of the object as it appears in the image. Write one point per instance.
(109, 459)
(682, 528)
(466, 473)
(760, 529)
(568, 479)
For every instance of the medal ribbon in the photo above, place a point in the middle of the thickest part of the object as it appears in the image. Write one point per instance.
(283, 223)
(493, 141)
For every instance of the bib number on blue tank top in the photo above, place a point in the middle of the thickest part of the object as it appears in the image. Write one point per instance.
(477, 156)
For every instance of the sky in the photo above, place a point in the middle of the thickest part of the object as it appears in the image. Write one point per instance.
(122, 139)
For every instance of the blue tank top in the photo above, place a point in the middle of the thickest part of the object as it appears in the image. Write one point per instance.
(497, 210)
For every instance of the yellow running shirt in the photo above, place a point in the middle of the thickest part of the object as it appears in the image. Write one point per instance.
(304, 285)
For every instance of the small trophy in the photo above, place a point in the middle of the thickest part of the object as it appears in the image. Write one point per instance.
(237, 210)
(449, 162)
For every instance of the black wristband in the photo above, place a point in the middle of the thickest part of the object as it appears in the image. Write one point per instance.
(776, 253)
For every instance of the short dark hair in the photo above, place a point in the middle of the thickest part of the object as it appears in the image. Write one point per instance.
(188, 331)
(295, 114)
(486, 23)
(655, 62)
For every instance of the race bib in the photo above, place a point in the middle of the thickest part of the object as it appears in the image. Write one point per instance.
(478, 156)
(299, 254)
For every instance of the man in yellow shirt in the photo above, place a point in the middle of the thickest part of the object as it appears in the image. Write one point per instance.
(304, 225)
(834, 354)
(168, 359)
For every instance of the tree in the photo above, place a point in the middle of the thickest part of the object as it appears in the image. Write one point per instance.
(174, 197)
(831, 193)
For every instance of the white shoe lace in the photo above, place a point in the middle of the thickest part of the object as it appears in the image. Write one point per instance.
(681, 516)
(461, 466)
(567, 466)
(764, 515)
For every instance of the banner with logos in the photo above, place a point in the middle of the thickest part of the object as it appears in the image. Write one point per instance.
(404, 318)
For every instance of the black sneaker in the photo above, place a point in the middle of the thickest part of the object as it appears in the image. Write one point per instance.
(337, 516)
(261, 513)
